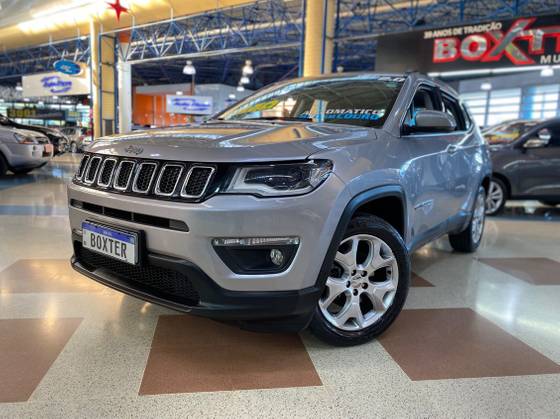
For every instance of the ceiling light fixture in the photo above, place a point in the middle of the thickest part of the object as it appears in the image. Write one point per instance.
(547, 72)
(189, 69)
(248, 69)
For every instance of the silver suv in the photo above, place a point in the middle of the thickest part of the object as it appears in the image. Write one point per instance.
(298, 206)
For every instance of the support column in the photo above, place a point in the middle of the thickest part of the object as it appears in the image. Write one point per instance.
(124, 87)
(319, 37)
(95, 87)
(108, 85)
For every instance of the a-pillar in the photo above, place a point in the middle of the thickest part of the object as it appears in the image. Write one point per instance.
(319, 37)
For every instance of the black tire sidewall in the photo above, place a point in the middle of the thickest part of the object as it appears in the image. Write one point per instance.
(3, 166)
(376, 227)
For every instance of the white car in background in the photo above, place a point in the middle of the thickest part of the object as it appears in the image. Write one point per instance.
(23, 150)
(78, 138)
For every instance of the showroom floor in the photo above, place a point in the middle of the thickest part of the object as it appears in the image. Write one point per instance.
(480, 335)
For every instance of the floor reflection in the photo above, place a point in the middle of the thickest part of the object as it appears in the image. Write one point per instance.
(530, 210)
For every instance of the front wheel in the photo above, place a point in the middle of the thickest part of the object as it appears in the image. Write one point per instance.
(468, 240)
(367, 286)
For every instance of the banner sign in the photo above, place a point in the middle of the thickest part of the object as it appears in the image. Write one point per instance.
(37, 113)
(67, 67)
(56, 84)
(192, 105)
(527, 41)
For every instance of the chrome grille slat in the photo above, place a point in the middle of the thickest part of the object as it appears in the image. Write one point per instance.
(196, 182)
(106, 172)
(144, 177)
(123, 175)
(83, 165)
(92, 170)
(170, 173)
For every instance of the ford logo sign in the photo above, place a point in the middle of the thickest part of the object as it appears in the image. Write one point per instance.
(67, 67)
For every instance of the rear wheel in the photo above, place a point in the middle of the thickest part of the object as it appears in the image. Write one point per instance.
(367, 285)
(468, 240)
(496, 198)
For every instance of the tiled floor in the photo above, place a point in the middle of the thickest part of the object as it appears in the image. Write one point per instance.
(480, 336)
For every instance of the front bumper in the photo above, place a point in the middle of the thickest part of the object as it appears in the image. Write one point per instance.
(198, 294)
(27, 155)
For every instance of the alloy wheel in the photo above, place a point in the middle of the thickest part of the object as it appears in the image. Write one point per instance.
(495, 198)
(362, 284)
(477, 223)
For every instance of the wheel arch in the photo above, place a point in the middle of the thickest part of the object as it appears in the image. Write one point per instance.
(505, 181)
(370, 202)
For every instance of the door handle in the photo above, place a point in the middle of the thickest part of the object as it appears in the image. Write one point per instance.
(452, 149)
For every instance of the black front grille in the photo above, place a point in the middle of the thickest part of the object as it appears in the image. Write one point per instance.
(107, 172)
(191, 182)
(83, 165)
(124, 174)
(198, 181)
(168, 179)
(92, 169)
(144, 177)
(164, 283)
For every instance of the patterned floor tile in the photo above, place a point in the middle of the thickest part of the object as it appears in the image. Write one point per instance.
(192, 354)
(433, 344)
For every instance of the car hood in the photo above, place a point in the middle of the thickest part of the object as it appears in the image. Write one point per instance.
(23, 131)
(234, 141)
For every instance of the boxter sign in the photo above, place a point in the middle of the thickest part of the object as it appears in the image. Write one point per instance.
(497, 44)
(191, 105)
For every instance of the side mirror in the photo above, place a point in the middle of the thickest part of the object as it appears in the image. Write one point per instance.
(432, 121)
(542, 139)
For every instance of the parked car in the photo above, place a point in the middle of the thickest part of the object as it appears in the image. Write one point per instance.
(299, 205)
(57, 139)
(21, 150)
(78, 138)
(526, 161)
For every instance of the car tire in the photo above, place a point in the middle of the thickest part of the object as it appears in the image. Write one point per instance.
(468, 240)
(22, 171)
(349, 290)
(550, 203)
(74, 148)
(497, 197)
(3, 165)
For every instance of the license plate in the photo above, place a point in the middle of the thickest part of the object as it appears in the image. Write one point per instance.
(115, 243)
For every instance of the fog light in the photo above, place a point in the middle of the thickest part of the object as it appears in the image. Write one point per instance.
(277, 257)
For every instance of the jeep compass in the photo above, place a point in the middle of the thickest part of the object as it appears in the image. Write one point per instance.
(297, 207)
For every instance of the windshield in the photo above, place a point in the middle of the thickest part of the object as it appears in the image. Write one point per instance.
(508, 133)
(364, 100)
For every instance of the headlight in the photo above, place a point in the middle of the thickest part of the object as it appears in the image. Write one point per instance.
(23, 139)
(280, 179)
